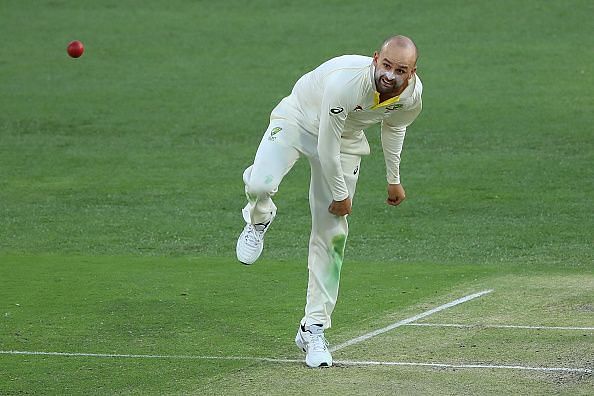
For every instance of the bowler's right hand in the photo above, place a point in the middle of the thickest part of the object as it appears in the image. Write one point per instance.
(340, 208)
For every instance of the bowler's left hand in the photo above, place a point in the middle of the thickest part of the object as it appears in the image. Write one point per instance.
(396, 194)
(340, 208)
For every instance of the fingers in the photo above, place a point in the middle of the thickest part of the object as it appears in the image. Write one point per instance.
(392, 202)
(395, 201)
(335, 211)
(339, 211)
(340, 208)
(396, 194)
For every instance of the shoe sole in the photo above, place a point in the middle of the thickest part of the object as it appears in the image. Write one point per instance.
(323, 364)
(244, 263)
(253, 261)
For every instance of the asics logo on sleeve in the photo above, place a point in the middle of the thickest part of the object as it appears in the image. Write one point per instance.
(336, 110)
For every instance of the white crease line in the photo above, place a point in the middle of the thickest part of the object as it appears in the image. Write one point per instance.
(403, 322)
(500, 326)
(135, 356)
(273, 360)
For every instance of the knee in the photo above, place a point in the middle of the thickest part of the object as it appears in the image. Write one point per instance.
(259, 188)
(259, 185)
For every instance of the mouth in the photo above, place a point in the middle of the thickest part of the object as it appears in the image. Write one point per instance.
(387, 83)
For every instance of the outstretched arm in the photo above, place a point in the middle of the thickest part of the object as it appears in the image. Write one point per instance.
(392, 141)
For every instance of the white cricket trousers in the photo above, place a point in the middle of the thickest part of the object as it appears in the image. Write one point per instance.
(279, 149)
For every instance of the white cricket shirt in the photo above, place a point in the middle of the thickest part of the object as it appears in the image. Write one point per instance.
(336, 101)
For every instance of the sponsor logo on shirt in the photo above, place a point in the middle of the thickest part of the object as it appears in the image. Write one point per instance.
(394, 107)
(336, 110)
(356, 170)
(273, 133)
(358, 108)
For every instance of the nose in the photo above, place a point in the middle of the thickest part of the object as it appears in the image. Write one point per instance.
(390, 76)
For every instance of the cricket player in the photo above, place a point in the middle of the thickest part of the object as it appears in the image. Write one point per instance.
(323, 119)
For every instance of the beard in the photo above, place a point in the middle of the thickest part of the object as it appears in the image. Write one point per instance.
(386, 83)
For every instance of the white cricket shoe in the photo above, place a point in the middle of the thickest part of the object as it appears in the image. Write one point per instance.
(251, 242)
(311, 340)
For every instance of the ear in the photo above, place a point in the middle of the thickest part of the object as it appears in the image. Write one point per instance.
(375, 58)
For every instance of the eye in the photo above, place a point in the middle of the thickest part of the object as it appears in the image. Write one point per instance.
(387, 66)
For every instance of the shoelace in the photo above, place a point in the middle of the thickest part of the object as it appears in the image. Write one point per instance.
(253, 237)
(318, 343)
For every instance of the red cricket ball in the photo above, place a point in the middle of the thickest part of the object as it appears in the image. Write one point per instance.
(75, 49)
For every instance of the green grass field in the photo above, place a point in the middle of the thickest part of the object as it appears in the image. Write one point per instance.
(121, 197)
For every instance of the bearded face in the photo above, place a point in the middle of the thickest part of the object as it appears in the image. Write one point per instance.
(387, 81)
(394, 66)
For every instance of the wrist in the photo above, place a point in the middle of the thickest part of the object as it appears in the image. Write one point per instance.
(340, 198)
